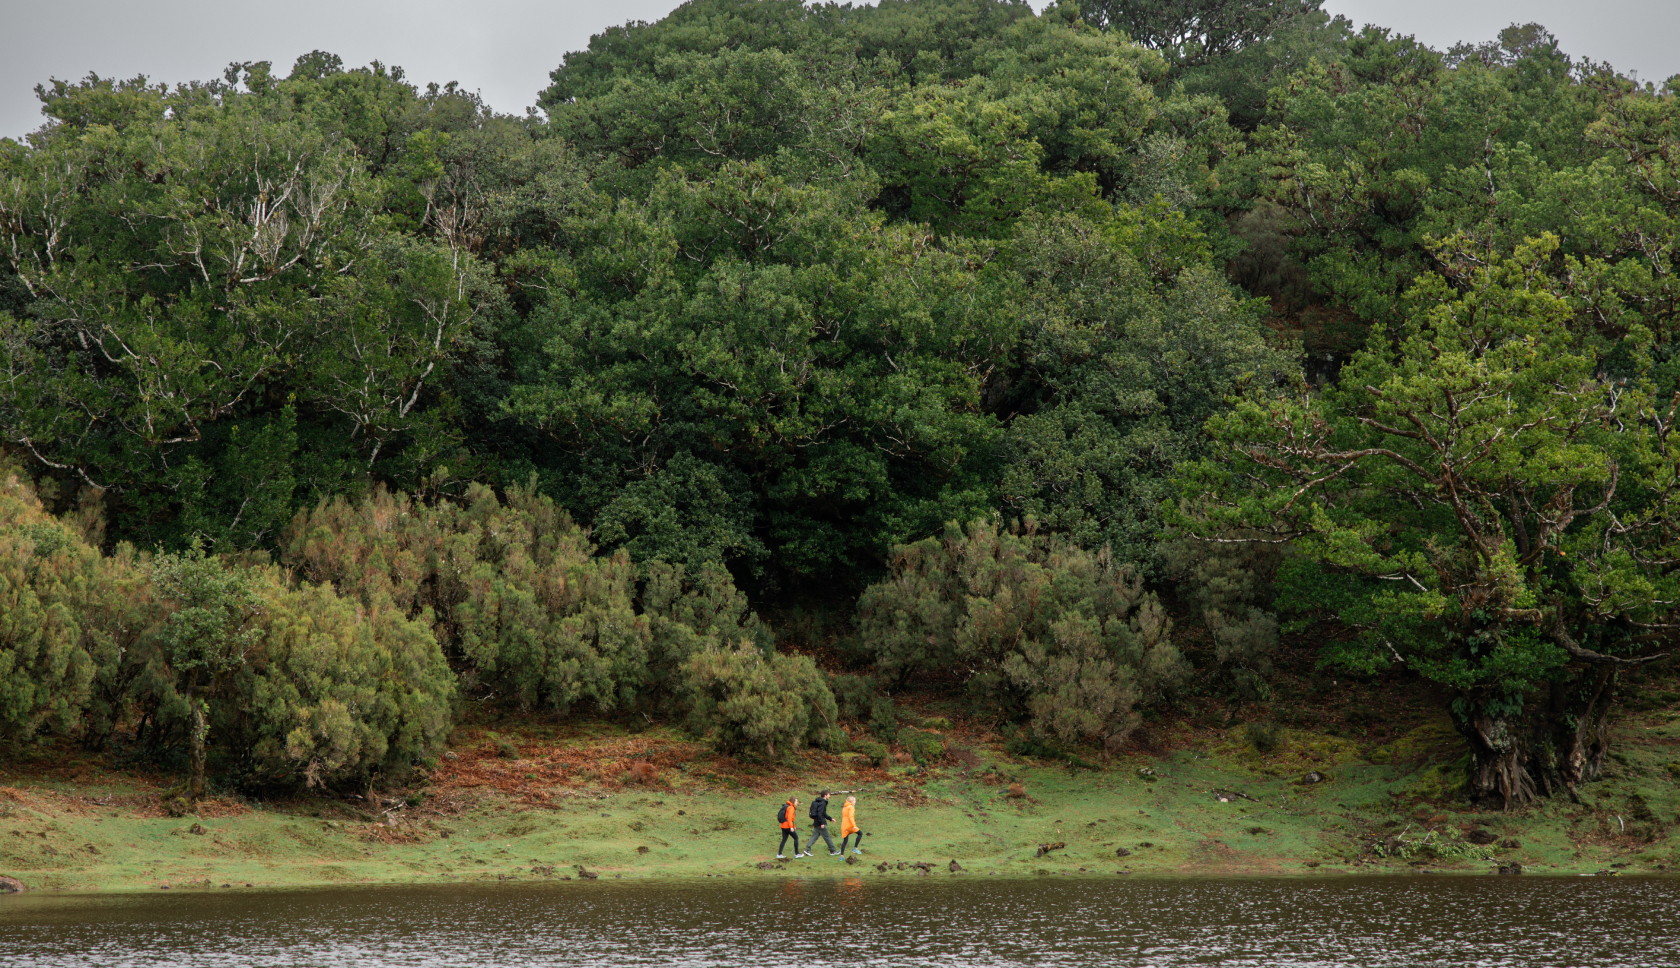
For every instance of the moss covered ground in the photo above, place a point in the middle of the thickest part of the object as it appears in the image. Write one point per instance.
(551, 802)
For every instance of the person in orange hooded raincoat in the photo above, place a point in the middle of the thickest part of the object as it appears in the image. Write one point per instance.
(788, 816)
(848, 826)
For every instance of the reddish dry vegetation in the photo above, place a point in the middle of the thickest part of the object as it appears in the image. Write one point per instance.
(641, 773)
(145, 804)
(546, 772)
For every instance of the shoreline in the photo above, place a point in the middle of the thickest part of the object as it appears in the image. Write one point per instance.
(676, 878)
(1212, 808)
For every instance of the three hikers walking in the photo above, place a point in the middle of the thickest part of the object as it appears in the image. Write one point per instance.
(786, 816)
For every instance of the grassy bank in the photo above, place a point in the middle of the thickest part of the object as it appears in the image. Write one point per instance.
(542, 804)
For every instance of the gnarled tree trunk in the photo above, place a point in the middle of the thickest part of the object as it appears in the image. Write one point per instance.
(1580, 722)
(199, 729)
(1500, 758)
(1557, 742)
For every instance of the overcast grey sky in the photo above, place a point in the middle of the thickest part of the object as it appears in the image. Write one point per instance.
(505, 48)
(1633, 35)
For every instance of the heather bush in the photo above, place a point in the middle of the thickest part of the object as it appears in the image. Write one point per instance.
(283, 685)
(1045, 632)
(518, 597)
(859, 697)
(276, 684)
(751, 704)
(853, 694)
(49, 657)
(337, 693)
(688, 611)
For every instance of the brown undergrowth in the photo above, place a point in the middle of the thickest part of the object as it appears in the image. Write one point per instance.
(144, 805)
(558, 768)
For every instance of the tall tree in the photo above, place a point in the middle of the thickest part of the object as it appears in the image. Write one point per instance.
(1190, 33)
(218, 302)
(1487, 503)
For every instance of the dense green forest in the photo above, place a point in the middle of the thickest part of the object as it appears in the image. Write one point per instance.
(988, 344)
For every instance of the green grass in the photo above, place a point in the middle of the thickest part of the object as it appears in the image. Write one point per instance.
(105, 833)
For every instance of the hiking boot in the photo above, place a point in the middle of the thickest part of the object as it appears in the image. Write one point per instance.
(834, 853)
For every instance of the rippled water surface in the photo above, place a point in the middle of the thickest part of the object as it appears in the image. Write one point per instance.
(817, 922)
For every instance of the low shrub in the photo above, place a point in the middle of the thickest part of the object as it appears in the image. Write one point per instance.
(748, 704)
(876, 752)
(1431, 845)
(1025, 743)
(517, 595)
(925, 748)
(1064, 640)
(883, 719)
(49, 654)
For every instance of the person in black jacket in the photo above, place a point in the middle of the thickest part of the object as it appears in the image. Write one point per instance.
(819, 825)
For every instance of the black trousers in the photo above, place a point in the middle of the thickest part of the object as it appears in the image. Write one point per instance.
(786, 833)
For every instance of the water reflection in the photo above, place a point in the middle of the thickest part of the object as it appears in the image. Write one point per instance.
(854, 921)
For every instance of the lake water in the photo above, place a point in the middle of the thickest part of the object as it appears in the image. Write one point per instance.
(889, 921)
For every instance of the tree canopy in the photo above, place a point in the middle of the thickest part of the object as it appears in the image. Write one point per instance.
(1217, 308)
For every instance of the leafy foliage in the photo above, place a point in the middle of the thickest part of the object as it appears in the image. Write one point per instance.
(1041, 630)
(1122, 364)
(201, 268)
(278, 684)
(1230, 582)
(514, 591)
(859, 697)
(746, 703)
(49, 651)
(769, 292)
(1481, 498)
(1194, 32)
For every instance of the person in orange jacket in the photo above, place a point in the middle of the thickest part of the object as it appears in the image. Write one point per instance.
(848, 826)
(788, 815)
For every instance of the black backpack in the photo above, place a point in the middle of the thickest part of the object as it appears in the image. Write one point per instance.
(782, 814)
(818, 808)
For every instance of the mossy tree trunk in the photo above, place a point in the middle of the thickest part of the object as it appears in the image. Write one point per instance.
(1553, 744)
(1584, 734)
(1500, 755)
(199, 729)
